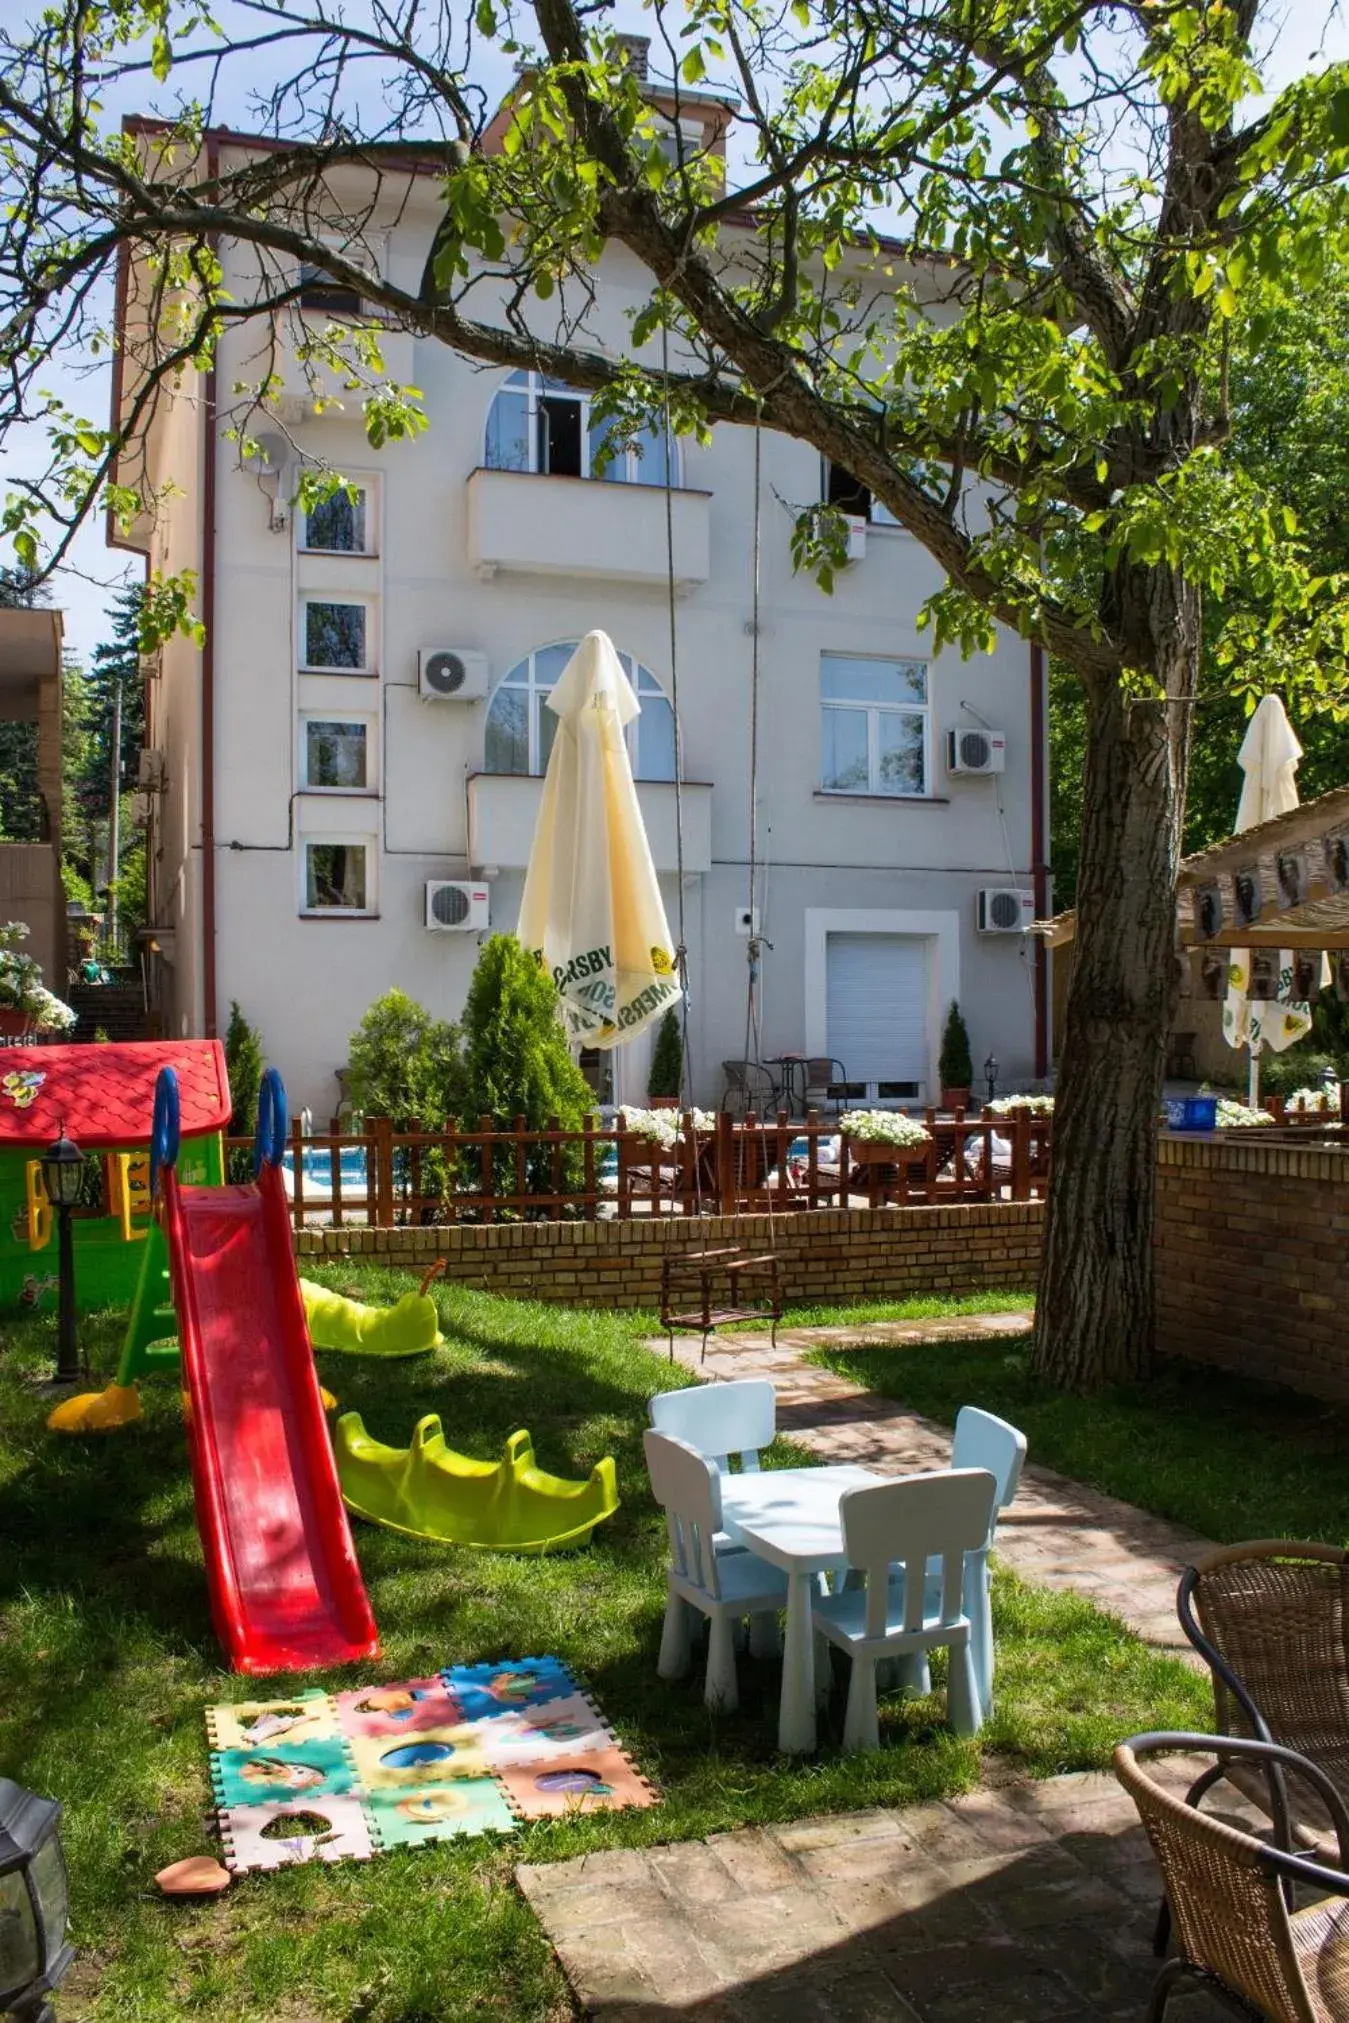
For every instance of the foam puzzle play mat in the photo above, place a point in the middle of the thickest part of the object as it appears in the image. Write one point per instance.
(474, 1749)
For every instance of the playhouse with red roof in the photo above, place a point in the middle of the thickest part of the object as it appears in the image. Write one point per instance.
(102, 1097)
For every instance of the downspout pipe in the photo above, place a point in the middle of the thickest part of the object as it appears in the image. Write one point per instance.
(1039, 854)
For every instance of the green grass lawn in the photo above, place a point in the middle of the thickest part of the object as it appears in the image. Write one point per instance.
(931, 1307)
(107, 1661)
(1229, 1457)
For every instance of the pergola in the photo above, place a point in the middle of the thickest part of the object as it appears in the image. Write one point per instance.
(1282, 885)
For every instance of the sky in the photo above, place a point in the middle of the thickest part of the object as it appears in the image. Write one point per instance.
(1311, 33)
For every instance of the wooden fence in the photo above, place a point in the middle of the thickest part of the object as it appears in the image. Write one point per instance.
(491, 1174)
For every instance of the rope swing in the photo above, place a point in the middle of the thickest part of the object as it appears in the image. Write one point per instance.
(713, 1288)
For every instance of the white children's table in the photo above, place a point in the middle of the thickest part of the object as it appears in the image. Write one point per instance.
(789, 1517)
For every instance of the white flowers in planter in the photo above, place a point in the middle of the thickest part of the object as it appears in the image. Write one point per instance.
(1038, 1106)
(662, 1127)
(884, 1127)
(1234, 1116)
(1326, 1101)
(22, 988)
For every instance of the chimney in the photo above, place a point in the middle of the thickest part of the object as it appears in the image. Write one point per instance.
(635, 51)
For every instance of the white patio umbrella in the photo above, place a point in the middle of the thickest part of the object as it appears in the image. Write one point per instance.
(592, 912)
(1269, 758)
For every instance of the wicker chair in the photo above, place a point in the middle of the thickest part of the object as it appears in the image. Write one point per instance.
(1227, 1890)
(1271, 1621)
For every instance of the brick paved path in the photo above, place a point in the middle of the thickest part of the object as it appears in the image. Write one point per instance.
(1057, 1532)
(1015, 1906)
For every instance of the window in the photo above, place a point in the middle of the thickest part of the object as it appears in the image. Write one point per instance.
(874, 725)
(537, 424)
(340, 525)
(335, 878)
(520, 726)
(843, 490)
(334, 637)
(336, 755)
(687, 141)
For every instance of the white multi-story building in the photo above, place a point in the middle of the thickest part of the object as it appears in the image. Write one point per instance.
(342, 785)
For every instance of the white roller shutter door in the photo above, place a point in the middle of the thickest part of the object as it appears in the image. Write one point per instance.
(877, 1006)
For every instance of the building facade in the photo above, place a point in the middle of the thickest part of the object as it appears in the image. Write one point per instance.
(342, 785)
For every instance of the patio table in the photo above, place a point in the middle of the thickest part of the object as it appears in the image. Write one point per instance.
(789, 1517)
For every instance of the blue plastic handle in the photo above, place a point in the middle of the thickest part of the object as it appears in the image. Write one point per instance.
(165, 1130)
(269, 1141)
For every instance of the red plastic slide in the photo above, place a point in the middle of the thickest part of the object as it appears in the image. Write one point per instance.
(286, 1589)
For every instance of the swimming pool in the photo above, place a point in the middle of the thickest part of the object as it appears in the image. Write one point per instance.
(318, 1169)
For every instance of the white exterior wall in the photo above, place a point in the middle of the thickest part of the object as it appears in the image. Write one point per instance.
(306, 982)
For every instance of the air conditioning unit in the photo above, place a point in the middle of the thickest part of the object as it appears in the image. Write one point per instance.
(451, 674)
(975, 751)
(1002, 909)
(857, 536)
(141, 806)
(150, 769)
(456, 906)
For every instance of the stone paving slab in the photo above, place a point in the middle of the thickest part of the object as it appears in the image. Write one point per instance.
(1057, 1533)
(1010, 1906)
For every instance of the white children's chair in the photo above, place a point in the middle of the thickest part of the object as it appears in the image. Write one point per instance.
(985, 1441)
(721, 1420)
(724, 1587)
(981, 1441)
(907, 1524)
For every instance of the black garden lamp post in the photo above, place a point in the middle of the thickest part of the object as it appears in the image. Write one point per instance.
(63, 1177)
(34, 1904)
(991, 1075)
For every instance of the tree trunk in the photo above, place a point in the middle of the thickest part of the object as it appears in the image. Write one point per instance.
(1095, 1312)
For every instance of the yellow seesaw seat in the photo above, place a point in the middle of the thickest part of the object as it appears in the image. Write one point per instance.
(428, 1491)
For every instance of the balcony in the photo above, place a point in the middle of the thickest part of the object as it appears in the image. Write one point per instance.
(503, 810)
(528, 524)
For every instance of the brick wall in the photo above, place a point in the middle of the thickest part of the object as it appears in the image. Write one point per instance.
(1253, 1258)
(824, 1255)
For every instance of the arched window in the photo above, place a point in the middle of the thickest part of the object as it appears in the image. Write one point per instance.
(520, 728)
(538, 424)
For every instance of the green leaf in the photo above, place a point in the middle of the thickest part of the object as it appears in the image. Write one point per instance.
(543, 285)
(484, 14)
(161, 56)
(693, 69)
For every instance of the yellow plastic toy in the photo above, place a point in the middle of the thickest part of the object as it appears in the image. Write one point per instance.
(37, 1207)
(129, 1193)
(428, 1491)
(411, 1327)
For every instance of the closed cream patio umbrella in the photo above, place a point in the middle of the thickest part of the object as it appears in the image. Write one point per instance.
(1269, 758)
(592, 913)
